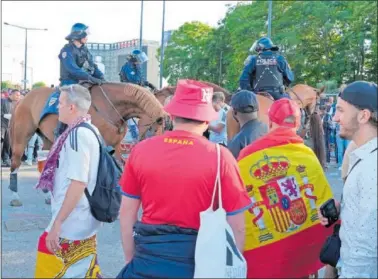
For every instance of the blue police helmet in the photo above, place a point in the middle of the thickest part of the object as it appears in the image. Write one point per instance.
(78, 32)
(262, 44)
(138, 56)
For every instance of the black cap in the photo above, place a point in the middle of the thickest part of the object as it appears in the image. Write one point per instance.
(361, 94)
(244, 101)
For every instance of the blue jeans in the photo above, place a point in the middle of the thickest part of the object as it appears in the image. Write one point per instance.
(342, 145)
(35, 138)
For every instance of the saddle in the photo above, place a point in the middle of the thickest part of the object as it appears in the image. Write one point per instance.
(51, 106)
(265, 94)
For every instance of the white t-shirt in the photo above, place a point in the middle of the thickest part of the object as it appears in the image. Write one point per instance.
(78, 160)
(222, 136)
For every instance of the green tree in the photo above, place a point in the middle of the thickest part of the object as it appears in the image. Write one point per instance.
(325, 42)
(184, 55)
(6, 84)
(39, 84)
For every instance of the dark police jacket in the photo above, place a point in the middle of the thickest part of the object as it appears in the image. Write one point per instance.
(77, 64)
(267, 70)
(132, 73)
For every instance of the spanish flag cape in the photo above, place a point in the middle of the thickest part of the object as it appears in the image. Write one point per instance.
(286, 184)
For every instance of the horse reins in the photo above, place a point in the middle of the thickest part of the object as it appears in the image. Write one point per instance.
(307, 116)
(120, 129)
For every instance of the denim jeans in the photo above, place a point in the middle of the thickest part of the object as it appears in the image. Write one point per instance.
(35, 138)
(342, 145)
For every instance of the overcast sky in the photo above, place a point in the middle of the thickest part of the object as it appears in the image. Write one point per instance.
(109, 21)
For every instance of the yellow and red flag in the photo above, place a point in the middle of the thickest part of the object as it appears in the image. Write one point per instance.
(286, 184)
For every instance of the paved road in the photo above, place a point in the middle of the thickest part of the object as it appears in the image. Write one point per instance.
(22, 226)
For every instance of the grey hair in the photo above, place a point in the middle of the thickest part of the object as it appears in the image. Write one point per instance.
(218, 96)
(79, 96)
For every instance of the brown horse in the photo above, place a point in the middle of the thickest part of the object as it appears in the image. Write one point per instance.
(307, 98)
(112, 105)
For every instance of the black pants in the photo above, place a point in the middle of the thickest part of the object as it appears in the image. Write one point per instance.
(5, 145)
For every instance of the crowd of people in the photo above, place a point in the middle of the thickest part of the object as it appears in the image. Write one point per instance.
(9, 98)
(273, 190)
(335, 145)
(274, 212)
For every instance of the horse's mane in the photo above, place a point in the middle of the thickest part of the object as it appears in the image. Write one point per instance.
(141, 95)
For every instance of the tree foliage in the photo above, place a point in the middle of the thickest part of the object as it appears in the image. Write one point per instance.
(323, 41)
(6, 84)
(39, 84)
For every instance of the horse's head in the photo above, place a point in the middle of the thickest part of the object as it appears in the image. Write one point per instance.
(115, 103)
(164, 93)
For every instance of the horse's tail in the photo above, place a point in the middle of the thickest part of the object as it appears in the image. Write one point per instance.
(317, 135)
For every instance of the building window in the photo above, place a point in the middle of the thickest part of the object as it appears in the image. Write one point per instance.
(100, 46)
(95, 46)
(107, 46)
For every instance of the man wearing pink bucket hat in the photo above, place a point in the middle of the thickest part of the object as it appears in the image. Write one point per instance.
(173, 176)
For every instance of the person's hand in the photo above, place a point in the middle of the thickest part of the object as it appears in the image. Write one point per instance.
(52, 239)
(322, 219)
(96, 81)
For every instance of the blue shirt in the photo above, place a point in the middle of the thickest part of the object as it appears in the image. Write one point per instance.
(132, 73)
(77, 64)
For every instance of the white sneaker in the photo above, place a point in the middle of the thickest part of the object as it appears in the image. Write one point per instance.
(29, 162)
(340, 168)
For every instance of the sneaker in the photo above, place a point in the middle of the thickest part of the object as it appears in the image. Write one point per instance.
(6, 164)
(340, 168)
(29, 162)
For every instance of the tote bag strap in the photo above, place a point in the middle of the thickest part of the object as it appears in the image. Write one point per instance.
(217, 182)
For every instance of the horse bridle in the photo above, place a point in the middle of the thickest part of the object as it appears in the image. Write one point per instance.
(123, 120)
(307, 116)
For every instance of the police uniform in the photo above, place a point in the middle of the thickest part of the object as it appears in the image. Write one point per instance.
(77, 64)
(132, 73)
(267, 71)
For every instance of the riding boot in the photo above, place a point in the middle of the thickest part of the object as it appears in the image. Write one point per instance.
(59, 129)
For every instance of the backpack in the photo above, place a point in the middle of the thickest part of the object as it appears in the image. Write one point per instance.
(105, 201)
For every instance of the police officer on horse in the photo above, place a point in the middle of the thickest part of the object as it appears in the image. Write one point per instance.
(76, 63)
(131, 71)
(267, 71)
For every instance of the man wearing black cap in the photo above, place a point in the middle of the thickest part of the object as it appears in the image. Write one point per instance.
(356, 112)
(245, 111)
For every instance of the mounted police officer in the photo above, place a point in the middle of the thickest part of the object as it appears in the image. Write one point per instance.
(267, 71)
(131, 71)
(76, 62)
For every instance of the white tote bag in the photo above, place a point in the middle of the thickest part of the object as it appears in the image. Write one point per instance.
(216, 255)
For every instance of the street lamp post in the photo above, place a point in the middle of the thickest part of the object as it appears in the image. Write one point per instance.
(162, 47)
(270, 19)
(26, 46)
(141, 27)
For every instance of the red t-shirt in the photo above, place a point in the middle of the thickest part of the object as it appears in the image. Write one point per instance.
(174, 175)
